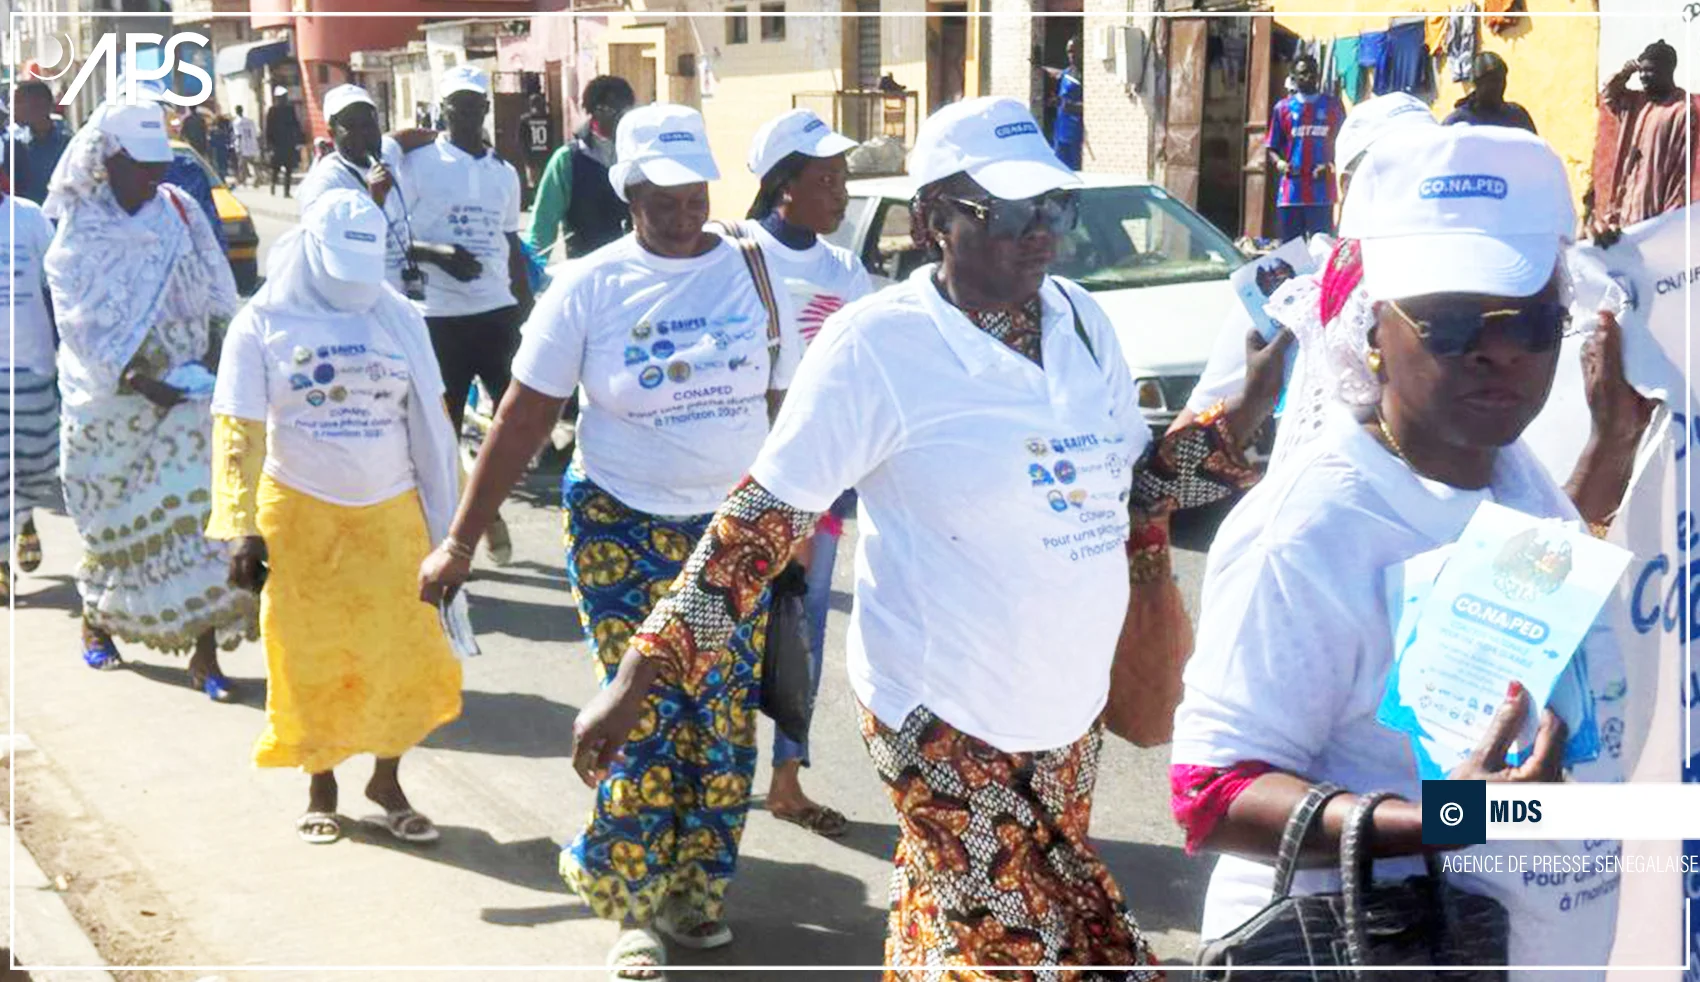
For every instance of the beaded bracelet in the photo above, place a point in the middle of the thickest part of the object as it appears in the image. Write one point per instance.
(457, 548)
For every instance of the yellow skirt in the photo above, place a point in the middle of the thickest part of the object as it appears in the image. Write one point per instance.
(355, 663)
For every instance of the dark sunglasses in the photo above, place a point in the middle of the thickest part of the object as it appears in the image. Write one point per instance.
(1055, 213)
(1536, 327)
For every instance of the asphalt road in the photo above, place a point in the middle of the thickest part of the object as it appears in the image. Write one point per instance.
(176, 851)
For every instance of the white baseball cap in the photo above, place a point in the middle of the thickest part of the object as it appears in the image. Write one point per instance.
(140, 130)
(353, 231)
(343, 96)
(798, 131)
(465, 78)
(995, 141)
(663, 144)
(1373, 118)
(279, 90)
(1459, 209)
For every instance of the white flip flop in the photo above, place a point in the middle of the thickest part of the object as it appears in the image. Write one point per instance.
(679, 923)
(638, 951)
(396, 823)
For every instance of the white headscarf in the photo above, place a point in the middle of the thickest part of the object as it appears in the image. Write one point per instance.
(114, 276)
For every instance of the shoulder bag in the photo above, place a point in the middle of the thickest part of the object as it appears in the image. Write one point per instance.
(788, 683)
(1156, 636)
(1328, 937)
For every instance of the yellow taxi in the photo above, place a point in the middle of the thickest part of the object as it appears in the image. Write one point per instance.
(241, 241)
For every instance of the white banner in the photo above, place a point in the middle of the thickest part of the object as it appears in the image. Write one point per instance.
(1647, 278)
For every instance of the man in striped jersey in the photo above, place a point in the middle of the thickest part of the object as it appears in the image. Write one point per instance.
(1302, 127)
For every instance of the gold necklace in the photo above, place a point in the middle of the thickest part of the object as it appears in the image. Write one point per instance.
(1392, 444)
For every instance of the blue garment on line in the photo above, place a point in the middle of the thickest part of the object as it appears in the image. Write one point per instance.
(1404, 64)
(1370, 46)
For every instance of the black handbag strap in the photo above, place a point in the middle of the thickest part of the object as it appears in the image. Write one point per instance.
(1293, 836)
(1357, 861)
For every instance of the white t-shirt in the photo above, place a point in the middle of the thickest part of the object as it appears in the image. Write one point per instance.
(673, 358)
(333, 392)
(25, 234)
(1293, 651)
(991, 578)
(332, 171)
(247, 136)
(814, 283)
(458, 199)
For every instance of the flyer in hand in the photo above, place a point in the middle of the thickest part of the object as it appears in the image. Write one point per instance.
(1512, 600)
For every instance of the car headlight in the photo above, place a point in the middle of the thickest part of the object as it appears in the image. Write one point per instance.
(1150, 393)
(239, 229)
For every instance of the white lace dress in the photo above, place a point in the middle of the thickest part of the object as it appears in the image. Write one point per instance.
(137, 477)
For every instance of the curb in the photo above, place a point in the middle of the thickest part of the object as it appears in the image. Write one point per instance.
(47, 933)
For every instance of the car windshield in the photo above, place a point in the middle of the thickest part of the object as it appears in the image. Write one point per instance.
(1136, 236)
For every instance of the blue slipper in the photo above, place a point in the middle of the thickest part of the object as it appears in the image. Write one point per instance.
(101, 656)
(217, 687)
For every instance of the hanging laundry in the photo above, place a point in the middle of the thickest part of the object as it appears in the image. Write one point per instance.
(1502, 14)
(1404, 64)
(1370, 46)
(1463, 40)
(1348, 71)
(1434, 33)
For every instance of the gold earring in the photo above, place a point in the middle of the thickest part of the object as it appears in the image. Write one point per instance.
(1374, 361)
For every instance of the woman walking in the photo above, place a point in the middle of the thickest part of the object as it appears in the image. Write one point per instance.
(1442, 330)
(985, 416)
(801, 164)
(334, 457)
(677, 361)
(138, 282)
(29, 420)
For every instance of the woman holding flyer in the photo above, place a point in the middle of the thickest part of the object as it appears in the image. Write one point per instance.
(138, 286)
(1443, 328)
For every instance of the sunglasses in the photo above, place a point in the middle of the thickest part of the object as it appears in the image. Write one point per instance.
(1536, 327)
(1055, 213)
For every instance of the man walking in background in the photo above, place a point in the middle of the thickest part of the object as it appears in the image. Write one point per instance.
(1302, 127)
(463, 194)
(194, 132)
(39, 138)
(574, 200)
(245, 137)
(284, 138)
(537, 129)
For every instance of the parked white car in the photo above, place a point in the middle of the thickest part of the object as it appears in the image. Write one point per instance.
(1159, 269)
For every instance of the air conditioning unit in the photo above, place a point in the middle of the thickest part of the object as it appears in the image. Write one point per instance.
(1122, 50)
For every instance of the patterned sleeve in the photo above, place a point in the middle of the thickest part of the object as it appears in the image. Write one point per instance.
(747, 544)
(1198, 464)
